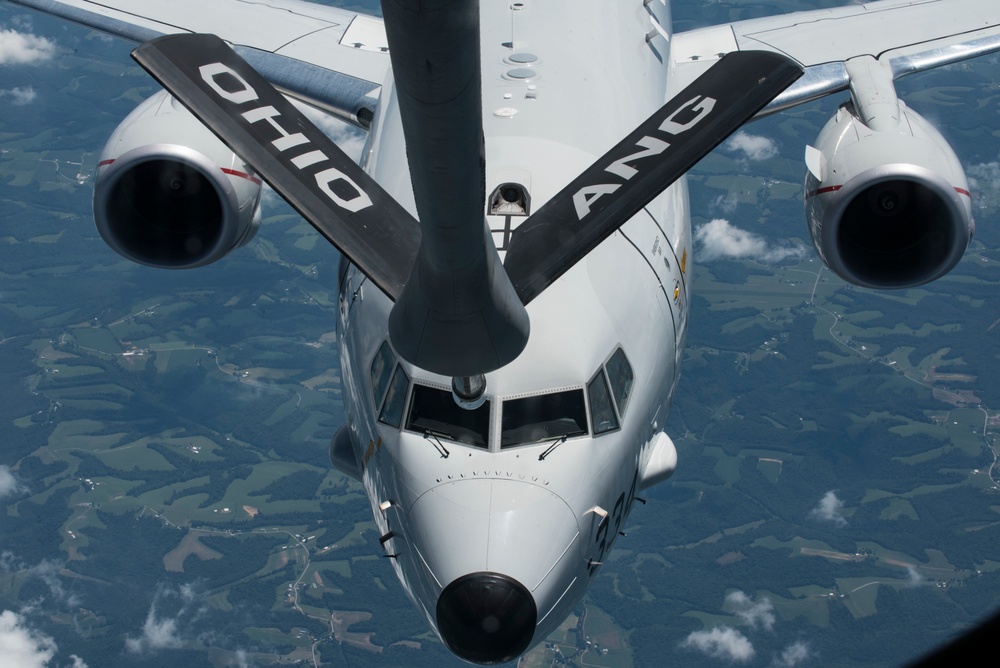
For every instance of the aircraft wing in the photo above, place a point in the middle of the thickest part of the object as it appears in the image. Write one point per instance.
(331, 58)
(907, 35)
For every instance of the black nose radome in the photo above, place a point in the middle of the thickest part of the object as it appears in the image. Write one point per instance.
(486, 617)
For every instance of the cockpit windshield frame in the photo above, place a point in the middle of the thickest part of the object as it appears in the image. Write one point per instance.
(621, 379)
(502, 423)
(603, 415)
(543, 416)
(380, 372)
(395, 399)
(431, 410)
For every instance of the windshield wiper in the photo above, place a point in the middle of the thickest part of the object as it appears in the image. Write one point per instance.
(430, 434)
(559, 441)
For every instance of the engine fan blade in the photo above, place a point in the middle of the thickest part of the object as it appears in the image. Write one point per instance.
(626, 178)
(300, 162)
(459, 314)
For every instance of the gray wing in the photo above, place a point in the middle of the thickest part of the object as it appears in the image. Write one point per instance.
(906, 35)
(331, 58)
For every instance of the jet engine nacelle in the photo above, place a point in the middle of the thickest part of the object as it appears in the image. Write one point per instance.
(890, 208)
(169, 193)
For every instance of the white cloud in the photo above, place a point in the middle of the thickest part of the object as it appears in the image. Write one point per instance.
(163, 632)
(719, 239)
(792, 655)
(47, 571)
(722, 642)
(157, 633)
(756, 614)
(18, 96)
(828, 510)
(268, 198)
(17, 48)
(984, 182)
(101, 37)
(725, 203)
(914, 576)
(754, 147)
(77, 662)
(23, 22)
(21, 646)
(9, 486)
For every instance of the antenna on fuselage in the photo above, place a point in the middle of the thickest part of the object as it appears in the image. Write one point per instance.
(514, 8)
(458, 314)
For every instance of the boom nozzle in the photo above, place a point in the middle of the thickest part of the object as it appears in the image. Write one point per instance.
(458, 314)
(469, 392)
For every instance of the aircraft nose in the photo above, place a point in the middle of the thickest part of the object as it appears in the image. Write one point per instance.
(486, 617)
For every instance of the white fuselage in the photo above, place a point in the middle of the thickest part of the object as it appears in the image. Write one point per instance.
(559, 88)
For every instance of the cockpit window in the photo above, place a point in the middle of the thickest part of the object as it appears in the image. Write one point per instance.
(435, 411)
(381, 372)
(602, 412)
(621, 377)
(543, 417)
(392, 412)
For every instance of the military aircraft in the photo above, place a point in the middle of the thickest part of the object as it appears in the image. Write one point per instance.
(509, 360)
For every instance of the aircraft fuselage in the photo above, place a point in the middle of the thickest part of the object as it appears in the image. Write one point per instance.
(534, 487)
